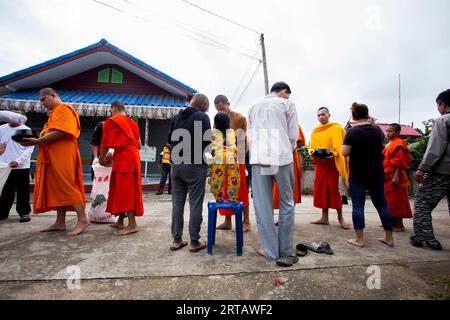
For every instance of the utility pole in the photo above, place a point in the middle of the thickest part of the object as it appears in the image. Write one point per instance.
(264, 59)
(399, 96)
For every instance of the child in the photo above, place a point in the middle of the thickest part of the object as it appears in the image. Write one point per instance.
(225, 175)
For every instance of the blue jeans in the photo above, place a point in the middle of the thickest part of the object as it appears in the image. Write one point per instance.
(358, 195)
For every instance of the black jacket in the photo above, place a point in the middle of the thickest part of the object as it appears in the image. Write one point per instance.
(197, 124)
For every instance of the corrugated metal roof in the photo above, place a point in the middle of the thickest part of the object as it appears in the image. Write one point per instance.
(72, 96)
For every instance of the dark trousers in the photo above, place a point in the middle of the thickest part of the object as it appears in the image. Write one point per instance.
(165, 173)
(18, 181)
(358, 195)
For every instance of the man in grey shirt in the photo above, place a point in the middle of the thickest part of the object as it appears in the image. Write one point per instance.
(433, 176)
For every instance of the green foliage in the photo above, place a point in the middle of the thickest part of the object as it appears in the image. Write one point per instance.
(307, 163)
(99, 200)
(419, 146)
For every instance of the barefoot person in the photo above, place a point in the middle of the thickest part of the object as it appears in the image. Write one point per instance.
(239, 125)
(396, 162)
(364, 144)
(59, 175)
(125, 189)
(328, 135)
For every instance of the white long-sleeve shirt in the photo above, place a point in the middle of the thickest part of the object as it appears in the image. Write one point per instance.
(273, 131)
(14, 151)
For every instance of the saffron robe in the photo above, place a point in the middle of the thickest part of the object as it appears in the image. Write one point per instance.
(59, 173)
(396, 155)
(297, 175)
(125, 187)
(326, 175)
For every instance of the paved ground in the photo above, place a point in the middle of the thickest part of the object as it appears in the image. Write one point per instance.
(34, 265)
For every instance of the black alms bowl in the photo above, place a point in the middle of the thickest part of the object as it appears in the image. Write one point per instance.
(22, 133)
(322, 153)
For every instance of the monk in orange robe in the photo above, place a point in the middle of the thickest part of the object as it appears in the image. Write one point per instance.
(125, 188)
(59, 175)
(396, 161)
(297, 174)
(328, 135)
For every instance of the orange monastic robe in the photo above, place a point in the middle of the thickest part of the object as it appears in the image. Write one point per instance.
(125, 188)
(59, 174)
(297, 176)
(396, 155)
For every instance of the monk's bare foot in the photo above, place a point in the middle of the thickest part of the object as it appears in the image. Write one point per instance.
(389, 243)
(356, 242)
(345, 226)
(399, 229)
(126, 231)
(224, 226)
(55, 228)
(117, 226)
(321, 221)
(246, 227)
(79, 228)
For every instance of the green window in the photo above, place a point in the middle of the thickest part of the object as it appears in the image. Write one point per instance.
(103, 76)
(117, 76)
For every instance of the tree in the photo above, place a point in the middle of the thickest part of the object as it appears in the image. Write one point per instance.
(419, 147)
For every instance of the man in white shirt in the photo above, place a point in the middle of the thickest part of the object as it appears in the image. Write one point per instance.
(273, 133)
(18, 158)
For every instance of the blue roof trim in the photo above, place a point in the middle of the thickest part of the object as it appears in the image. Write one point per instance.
(71, 96)
(102, 42)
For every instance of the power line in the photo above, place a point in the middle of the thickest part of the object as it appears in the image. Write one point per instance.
(248, 84)
(190, 29)
(221, 17)
(245, 75)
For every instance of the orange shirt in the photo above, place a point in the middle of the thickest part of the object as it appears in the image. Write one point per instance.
(59, 174)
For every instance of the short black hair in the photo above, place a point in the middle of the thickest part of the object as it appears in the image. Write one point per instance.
(221, 99)
(118, 105)
(222, 121)
(277, 87)
(444, 97)
(323, 108)
(396, 127)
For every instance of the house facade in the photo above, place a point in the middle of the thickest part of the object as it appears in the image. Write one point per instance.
(90, 79)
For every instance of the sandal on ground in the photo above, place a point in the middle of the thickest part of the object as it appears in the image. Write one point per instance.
(178, 245)
(302, 250)
(326, 247)
(200, 246)
(315, 247)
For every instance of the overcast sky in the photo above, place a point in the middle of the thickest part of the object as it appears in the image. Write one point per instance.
(331, 52)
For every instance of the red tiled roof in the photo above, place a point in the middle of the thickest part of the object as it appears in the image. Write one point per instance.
(407, 131)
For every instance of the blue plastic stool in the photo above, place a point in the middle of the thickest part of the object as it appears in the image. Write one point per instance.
(237, 207)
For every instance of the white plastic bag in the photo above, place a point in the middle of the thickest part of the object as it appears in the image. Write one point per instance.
(5, 169)
(99, 196)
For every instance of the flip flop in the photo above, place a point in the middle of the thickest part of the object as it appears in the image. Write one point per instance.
(202, 245)
(326, 247)
(314, 246)
(302, 250)
(178, 245)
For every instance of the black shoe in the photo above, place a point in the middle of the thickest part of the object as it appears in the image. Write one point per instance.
(416, 242)
(160, 192)
(434, 244)
(24, 218)
(287, 261)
